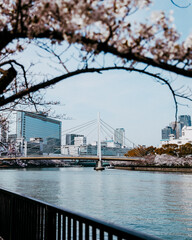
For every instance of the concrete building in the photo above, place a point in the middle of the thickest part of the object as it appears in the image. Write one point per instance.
(105, 151)
(176, 127)
(165, 132)
(91, 150)
(71, 150)
(80, 141)
(78, 145)
(119, 136)
(185, 120)
(70, 138)
(76, 141)
(111, 143)
(34, 147)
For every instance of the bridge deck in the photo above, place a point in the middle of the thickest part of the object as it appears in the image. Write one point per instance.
(105, 158)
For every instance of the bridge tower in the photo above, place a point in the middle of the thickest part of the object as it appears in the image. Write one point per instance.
(99, 166)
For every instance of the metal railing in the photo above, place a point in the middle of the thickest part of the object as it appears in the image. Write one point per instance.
(25, 218)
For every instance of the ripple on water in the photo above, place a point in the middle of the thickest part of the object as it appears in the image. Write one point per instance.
(152, 202)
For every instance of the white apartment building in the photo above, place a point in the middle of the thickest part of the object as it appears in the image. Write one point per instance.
(186, 137)
(71, 150)
(80, 141)
(74, 150)
(119, 136)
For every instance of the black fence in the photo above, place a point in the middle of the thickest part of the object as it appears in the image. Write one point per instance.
(25, 218)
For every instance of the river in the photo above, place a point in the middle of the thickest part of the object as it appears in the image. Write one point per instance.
(156, 203)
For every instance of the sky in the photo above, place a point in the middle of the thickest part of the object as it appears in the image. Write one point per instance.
(131, 101)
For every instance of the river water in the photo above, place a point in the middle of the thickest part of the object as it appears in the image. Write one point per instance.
(156, 203)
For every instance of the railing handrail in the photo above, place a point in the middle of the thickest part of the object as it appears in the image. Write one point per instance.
(105, 226)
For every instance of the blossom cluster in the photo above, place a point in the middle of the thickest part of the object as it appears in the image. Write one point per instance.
(91, 22)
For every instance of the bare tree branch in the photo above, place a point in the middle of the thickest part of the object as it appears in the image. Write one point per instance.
(103, 47)
(53, 81)
(179, 6)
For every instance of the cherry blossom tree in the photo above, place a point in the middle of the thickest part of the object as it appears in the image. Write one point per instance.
(95, 28)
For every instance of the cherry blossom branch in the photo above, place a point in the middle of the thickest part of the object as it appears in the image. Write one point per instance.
(6, 37)
(103, 47)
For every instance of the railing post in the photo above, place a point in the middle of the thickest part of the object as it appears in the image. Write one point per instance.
(50, 224)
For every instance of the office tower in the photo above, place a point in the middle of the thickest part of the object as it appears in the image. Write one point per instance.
(70, 138)
(176, 127)
(185, 120)
(119, 136)
(34, 125)
(165, 132)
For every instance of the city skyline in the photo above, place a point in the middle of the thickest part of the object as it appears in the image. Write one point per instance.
(28, 125)
(175, 128)
(91, 138)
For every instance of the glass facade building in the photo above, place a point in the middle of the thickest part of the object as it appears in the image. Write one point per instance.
(165, 132)
(185, 120)
(33, 125)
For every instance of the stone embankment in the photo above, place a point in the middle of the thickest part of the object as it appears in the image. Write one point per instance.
(158, 163)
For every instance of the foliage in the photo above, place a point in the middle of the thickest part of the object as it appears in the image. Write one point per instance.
(140, 151)
(169, 149)
(95, 27)
(185, 149)
(176, 150)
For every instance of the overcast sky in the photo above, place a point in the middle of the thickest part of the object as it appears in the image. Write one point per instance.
(131, 101)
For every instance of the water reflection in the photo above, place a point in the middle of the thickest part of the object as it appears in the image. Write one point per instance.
(152, 202)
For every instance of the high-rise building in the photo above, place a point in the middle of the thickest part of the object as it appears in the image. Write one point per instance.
(33, 125)
(185, 120)
(119, 136)
(165, 132)
(70, 138)
(176, 127)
